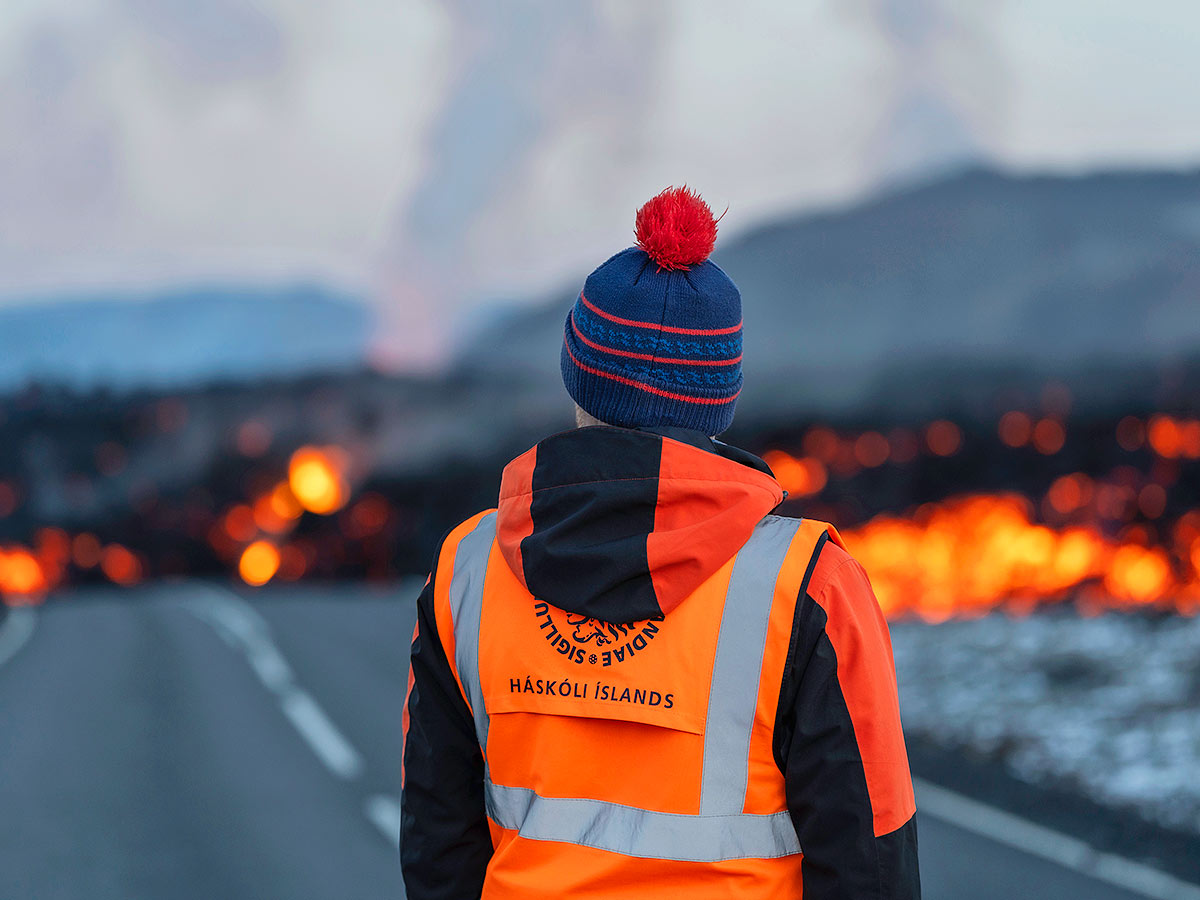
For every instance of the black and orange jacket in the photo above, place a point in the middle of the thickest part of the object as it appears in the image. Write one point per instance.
(608, 542)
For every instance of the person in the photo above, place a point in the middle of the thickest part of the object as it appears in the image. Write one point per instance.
(634, 676)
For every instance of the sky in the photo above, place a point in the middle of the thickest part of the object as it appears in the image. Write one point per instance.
(437, 156)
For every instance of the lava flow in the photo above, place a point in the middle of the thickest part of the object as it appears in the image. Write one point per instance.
(971, 554)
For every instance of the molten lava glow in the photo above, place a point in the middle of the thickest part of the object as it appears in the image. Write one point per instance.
(239, 523)
(943, 438)
(871, 449)
(799, 477)
(292, 563)
(1070, 492)
(1049, 436)
(970, 554)
(120, 565)
(52, 547)
(267, 513)
(86, 551)
(1138, 574)
(1131, 433)
(1015, 428)
(22, 580)
(368, 516)
(284, 503)
(315, 477)
(1174, 438)
(253, 438)
(1101, 541)
(8, 499)
(259, 563)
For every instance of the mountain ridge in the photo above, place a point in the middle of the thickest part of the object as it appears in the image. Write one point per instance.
(182, 335)
(1026, 277)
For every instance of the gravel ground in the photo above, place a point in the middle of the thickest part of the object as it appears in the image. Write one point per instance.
(1107, 706)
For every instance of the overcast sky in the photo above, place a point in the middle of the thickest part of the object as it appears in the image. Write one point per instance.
(436, 155)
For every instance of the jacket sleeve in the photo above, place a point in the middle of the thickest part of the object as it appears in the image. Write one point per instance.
(839, 743)
(445, 843)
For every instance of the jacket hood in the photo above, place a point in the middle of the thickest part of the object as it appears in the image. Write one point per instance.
(622, 524)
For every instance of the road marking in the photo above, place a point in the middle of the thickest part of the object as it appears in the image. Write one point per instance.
(1037, 840)
(242, 628)
(322, 735)
(15, 630)
(384, 812)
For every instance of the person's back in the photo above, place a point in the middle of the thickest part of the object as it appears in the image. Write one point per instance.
(632, 676)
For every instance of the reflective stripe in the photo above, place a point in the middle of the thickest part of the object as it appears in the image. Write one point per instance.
(640, 832)
(741, 643)
(466, 605)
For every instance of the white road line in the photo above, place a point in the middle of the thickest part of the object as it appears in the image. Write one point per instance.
(16, 629)
(240, 626)
(322, 735)
(270, 666)
(384, 812)
(1037, 840)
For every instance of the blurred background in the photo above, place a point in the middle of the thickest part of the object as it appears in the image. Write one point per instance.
(282, 289)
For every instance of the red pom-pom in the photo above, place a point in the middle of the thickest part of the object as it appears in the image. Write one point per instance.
(676, 228)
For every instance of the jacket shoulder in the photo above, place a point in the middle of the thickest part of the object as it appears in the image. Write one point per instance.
(443, 561)
(831, 560)
(840, 587)
(833, 578)
(820, 544)
(451, 539)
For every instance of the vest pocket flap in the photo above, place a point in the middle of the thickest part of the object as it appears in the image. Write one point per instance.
(595, 698)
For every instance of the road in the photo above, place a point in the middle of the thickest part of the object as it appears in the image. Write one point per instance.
(178, 742)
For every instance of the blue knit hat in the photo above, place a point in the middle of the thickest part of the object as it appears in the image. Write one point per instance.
(655, 337)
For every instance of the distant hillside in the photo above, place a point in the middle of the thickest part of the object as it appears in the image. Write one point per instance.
(944, 294)
(932, 300)
(182, 336)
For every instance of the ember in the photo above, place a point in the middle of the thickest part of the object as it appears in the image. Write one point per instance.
(259, 563)
(22, 580)
(316, 479)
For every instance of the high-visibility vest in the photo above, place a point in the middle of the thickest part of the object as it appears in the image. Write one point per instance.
(583, 799)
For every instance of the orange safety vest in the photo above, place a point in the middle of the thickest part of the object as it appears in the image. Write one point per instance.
(622, 758)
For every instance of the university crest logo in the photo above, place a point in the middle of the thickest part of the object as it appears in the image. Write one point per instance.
(582, 639)
(587, 629)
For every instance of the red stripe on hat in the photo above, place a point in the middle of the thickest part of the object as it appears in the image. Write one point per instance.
(713, 401)
(650, 356)
(655, 325)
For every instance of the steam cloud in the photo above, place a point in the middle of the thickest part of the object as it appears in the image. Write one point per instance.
(945, 94)
(528, 73)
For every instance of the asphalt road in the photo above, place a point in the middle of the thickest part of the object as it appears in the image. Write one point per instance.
(177, 743)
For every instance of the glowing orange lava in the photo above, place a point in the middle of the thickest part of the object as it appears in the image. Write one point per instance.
(799, 477)
(316, 478)
(259, 563)
(22, 580)
(121, 565)
(971, 554)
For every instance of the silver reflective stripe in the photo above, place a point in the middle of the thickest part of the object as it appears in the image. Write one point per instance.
(640, 832)
(733, 696)
(466, 605)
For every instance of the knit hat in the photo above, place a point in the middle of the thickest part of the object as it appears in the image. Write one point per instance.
(655, 337)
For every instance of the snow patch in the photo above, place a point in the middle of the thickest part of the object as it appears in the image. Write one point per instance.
(1109, 706)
